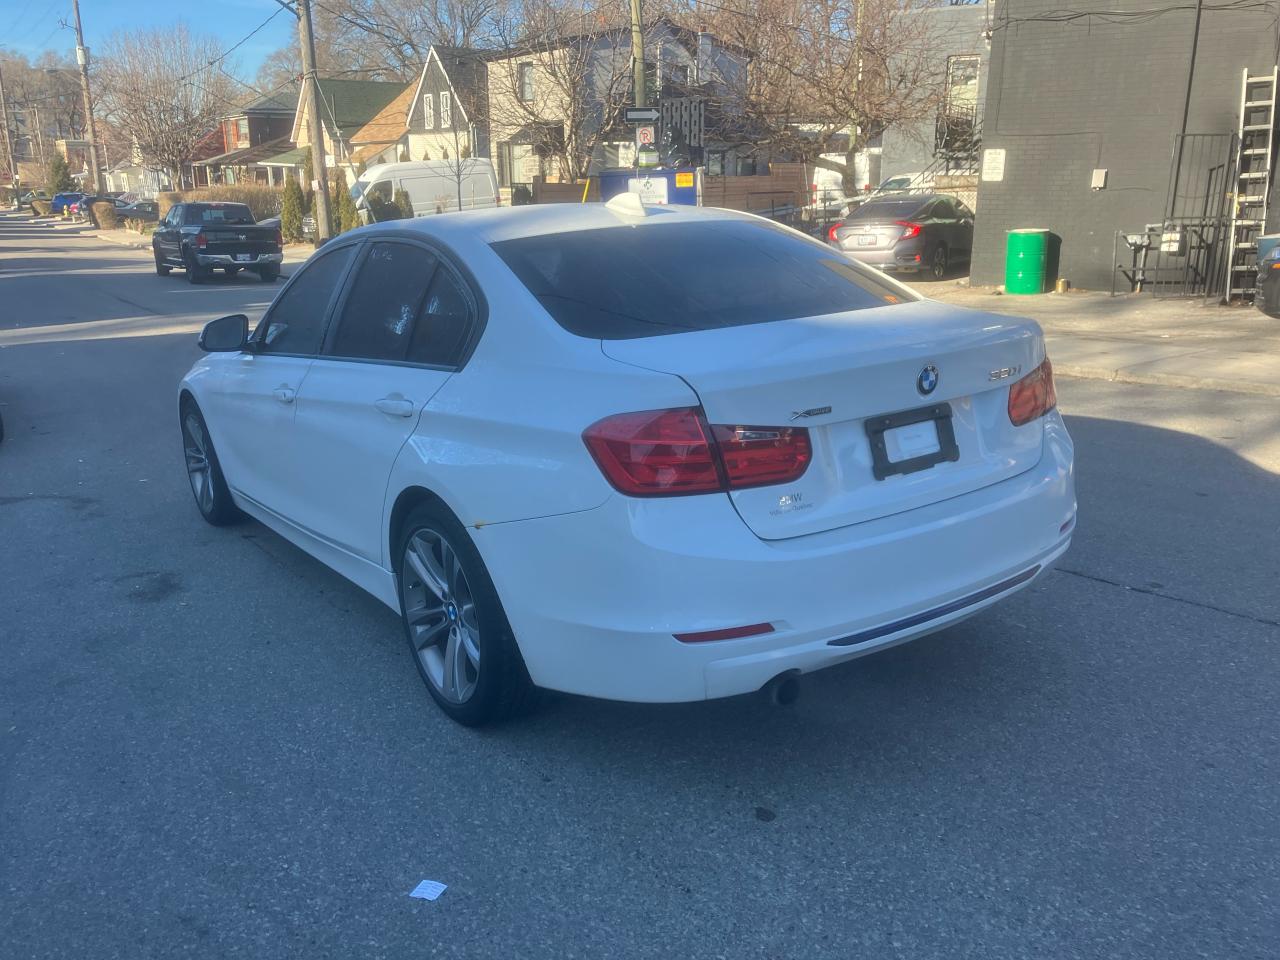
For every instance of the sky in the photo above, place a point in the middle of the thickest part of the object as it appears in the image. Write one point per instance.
(30, 26)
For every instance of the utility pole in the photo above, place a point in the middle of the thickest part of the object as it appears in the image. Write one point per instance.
(82, 58)
(311, 84)
(39, 134)
(637, 54)
(8, 144)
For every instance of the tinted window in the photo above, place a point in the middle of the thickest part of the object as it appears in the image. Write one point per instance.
(444, 323)
(887, 210)
(623, 282)
(296, 321)
(378, 319)
(233, 213)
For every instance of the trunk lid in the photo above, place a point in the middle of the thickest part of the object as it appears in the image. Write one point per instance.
(863, 365)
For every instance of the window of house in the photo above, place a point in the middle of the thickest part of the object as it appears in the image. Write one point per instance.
(676, 74)
(524, 86)
(429, 111)
(242, 130)
(446, 110)
(962, 80)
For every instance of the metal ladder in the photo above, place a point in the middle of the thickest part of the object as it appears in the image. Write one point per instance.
(1255, 148)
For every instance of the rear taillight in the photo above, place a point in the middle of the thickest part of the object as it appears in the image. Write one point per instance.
(831, 234)
(1033, 396)
(279, 239)
(761, 456)
(909, 229)
(665, 453)
(201, 241)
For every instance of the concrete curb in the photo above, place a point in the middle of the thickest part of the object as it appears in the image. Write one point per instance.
(1256, 388)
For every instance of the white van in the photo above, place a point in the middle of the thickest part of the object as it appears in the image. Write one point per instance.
(433, 186)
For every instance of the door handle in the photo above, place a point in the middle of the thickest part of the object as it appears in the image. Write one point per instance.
(284, 394)
(395, 406)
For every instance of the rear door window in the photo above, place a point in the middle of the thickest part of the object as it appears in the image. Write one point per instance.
(445, 322)
(624, 282)
(380, 313)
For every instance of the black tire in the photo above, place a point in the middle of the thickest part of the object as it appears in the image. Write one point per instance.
(213, 501)
(195, 272)
(269, 273)
(938, 264)
(162, 268)
(502, 688)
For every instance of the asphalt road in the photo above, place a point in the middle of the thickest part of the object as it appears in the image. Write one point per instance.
(211, 746)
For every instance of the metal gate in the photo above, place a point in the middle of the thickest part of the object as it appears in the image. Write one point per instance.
(1186, 254)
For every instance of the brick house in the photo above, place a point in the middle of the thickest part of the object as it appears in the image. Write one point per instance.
(258, 130)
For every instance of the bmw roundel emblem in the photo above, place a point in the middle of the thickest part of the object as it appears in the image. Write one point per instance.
(927, 382)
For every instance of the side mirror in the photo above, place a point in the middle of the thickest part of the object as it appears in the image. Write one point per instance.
(225, 335)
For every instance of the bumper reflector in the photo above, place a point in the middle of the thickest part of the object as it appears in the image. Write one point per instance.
(731, 633)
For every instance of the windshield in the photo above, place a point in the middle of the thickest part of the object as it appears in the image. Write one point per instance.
(896, 183)
(619, 283)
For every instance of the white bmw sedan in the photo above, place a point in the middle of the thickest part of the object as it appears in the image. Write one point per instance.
(642, 453)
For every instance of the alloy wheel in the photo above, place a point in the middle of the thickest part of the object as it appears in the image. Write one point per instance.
(441, 614)
(939, 263)
(198, 469)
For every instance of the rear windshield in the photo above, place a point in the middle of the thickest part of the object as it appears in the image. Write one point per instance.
(621, 283)
(887, 209)
(234, 213)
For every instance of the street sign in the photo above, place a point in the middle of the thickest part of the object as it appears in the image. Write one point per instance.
(641, 115)
(644, 136)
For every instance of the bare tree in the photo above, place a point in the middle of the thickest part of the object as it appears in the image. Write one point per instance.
(384, 39)
(165, 88)
(561, 79)
(45, 103)
(829, 76)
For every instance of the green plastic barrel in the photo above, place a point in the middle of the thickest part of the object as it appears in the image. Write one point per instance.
(1024, 260)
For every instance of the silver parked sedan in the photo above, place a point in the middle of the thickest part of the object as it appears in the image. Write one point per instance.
(909, 233)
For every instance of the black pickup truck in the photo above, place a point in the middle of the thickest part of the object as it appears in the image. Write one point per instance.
(202, 237)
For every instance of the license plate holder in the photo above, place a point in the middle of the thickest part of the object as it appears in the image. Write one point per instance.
(883, 468)
(244, 257)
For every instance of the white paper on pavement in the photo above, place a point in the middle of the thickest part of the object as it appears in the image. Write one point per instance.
(427, 890)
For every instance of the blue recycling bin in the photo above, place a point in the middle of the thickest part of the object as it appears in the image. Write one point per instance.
(662, 185)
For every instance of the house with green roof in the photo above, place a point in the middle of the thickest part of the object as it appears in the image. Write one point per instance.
(345, 107)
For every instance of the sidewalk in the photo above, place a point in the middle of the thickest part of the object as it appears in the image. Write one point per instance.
(1134, 338)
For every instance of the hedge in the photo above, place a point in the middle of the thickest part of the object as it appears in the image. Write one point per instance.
(41, 208)
(263, 201)
(103, 215)
(167, 200)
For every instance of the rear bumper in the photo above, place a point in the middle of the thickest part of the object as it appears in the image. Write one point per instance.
(228, 260)
(594, 597)
(905, 255)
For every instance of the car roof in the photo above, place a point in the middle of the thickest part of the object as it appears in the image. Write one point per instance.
(510, 223)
